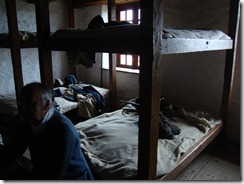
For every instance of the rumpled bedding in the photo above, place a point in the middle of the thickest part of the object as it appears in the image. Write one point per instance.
(23, 35)
(83, 103)
(195, 34)
(110, 143)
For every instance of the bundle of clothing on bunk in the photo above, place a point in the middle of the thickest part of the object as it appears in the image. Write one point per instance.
(167, 130)
(89, 99)
(88, 58)
(167, 113)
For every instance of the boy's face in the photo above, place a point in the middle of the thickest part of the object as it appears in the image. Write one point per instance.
(33, 110)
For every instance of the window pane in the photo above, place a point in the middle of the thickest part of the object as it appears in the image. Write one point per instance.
(129, 60)
(122, 59)
(122, 16)
(105, 60)
(129, 15)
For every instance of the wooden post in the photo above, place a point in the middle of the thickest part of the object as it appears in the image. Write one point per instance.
(43, 33)
(112, 62)
(15, 46)
(71, 15)
(150, 80)
(71, 24)
(234, 17)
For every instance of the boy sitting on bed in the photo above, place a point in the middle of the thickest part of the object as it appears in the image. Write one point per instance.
(51, 137)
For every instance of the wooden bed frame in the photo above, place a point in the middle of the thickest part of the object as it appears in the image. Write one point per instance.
(150, 75)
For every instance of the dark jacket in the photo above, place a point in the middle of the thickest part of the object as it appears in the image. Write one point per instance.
(55, 152)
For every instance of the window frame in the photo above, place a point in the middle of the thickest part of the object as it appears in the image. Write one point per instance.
(135, 20)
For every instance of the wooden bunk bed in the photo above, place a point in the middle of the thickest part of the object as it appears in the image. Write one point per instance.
(14, 41)
(150, 49)
(17, 40)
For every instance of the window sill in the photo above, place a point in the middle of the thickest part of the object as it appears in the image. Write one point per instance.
(126, 70)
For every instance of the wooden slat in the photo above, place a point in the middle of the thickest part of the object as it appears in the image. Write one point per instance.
(15, 46)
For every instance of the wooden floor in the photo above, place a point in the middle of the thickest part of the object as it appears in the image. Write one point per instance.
(219, 163)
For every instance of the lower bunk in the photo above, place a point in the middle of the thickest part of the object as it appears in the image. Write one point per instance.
(67, 101)
(110, 141)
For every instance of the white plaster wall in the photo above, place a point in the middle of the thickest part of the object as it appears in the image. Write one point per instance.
(29, 57)
(82, 18)
(193, 81)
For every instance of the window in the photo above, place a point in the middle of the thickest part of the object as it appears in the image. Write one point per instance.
(125, 62)
(131, 14)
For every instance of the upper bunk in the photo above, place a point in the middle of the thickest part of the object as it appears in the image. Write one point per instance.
(21, 38)
(129, 38)
(27, 39)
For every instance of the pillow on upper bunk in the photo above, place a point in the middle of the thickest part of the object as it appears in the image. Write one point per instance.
(8, 104)
(195, 34)
(23, 35)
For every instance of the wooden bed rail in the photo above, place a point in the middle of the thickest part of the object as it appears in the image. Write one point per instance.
(193, 152)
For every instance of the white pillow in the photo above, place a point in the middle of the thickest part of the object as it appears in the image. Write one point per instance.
(8, 104)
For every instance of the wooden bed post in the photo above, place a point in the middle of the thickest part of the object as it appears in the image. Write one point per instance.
(71, 15)
(43, 34)
(15, 46)
(71, 24)
(234, 17)
(112, 62)
(150, 80)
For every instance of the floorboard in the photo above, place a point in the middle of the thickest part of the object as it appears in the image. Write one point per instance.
(216, 163)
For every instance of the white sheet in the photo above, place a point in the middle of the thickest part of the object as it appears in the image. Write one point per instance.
(65, 105)
(110, 142)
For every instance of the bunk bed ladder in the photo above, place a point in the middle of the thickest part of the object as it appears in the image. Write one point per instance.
(15, 46)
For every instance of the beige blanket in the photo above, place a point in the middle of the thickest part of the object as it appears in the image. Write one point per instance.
(110, 142)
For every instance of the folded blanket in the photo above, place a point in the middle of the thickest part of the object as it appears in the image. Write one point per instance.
(195, 34)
